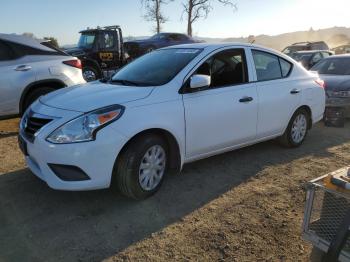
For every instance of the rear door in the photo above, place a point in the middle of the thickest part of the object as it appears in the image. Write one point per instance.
(224, 114)
(279, 95)
(15, 74)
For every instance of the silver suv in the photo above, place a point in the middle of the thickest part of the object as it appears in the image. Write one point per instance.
(30, 69)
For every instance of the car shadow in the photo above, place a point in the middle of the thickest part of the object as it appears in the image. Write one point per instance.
(41, 224)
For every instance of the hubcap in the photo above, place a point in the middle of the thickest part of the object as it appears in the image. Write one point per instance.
(89, 75)
(152, 168)
(299, 128)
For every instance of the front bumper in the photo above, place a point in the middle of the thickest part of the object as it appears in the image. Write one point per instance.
(95, 158)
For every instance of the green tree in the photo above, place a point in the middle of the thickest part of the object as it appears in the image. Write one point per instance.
(52, 40)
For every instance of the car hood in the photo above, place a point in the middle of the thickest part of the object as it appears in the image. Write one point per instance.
(336, 82)
(94, 95)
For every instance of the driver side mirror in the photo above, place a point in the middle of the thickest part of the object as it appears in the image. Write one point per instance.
(200, 81)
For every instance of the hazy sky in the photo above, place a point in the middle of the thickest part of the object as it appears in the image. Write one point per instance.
(64, 18)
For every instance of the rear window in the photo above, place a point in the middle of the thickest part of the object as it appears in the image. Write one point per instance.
(333, 66)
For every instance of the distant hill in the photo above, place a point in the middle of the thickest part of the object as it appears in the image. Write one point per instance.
(334, 36)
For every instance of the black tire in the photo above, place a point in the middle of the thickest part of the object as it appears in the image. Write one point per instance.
(34, 95)
(286, 139)
(96, 74)
(316, 255)
(126, 169)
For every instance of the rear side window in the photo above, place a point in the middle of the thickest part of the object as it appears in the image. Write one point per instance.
(269, 66)
(6, 52)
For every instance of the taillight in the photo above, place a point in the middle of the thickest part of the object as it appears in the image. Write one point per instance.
(75, 63)
(321, 83)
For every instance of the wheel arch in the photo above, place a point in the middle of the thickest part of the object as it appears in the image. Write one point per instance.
(55, 83)
(92, 63)
(175, 162)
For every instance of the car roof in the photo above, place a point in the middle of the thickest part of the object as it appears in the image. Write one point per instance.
(214, 46)
(25, 40)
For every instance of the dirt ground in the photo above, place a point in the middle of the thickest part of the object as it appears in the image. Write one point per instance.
(245, 205)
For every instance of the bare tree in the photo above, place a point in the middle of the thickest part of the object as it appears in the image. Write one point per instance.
(154, 12)
(195, 9)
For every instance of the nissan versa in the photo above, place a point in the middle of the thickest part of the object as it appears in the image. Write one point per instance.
(167, 108)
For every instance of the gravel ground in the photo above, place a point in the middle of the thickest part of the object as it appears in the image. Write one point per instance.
(245, 205)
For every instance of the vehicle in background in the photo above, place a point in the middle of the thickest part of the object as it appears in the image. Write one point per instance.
(310, 58)
(343, 49)
(303, 46)
(101, 51)
(137, 48)
(30, 69)
(169, 107)
(335, 72)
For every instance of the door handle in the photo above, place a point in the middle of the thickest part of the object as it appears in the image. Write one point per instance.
(295, 91)
(23, 68)
(246, 99)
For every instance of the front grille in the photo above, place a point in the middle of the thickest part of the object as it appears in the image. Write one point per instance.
(34, 124)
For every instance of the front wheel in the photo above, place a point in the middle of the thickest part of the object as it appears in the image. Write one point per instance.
(297, 129)
(140, 169)
(90, 74)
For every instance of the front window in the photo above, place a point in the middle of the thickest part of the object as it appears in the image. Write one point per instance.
(86, 41)
(226, 68)
(156, 68)
(335, 66)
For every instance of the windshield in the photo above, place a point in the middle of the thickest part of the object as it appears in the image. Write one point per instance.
(333, 66)
(86, 40)
(156, 68)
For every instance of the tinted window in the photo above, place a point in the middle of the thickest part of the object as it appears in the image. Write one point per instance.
(226, 68)
(333, 66)
(108, 40)
(156, 68)
(267, 66)
(5, 52)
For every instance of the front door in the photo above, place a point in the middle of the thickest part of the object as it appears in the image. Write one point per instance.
(224, 114)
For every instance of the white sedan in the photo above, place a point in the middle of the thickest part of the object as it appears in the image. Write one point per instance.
(167, 108)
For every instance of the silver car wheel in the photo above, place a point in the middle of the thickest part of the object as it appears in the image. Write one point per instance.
(152, 168)
(89, 75)
(299, 128)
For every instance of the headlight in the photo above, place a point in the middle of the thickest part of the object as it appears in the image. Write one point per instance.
(85, 127)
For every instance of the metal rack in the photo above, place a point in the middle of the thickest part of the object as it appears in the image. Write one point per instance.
(325, 211)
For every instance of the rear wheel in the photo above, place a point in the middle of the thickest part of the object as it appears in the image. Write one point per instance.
(34, 95)
(140, 169)
(297, 129)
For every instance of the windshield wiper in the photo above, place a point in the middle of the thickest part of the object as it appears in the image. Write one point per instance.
(124, 82)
